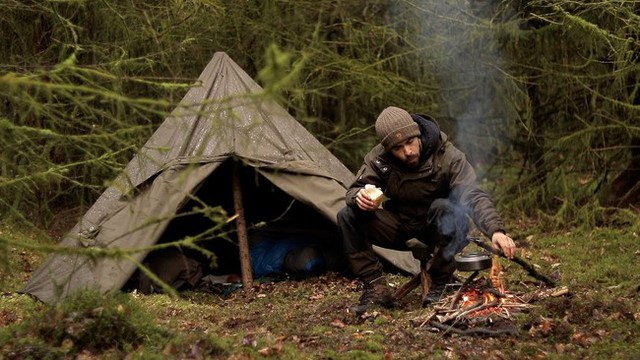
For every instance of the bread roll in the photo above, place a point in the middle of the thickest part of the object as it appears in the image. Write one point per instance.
(374, 193)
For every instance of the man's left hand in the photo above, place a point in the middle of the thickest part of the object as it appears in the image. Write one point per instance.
(503, 242)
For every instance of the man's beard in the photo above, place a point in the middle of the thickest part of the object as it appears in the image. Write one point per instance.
(413, 161)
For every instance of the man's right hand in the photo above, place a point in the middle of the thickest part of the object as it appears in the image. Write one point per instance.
(504, 242)
(364, 203)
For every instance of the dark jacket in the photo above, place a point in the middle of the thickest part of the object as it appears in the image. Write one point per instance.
(444, 172)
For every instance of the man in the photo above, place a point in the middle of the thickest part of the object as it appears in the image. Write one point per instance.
(431, 193)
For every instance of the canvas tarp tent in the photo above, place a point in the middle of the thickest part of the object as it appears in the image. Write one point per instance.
(222, 122)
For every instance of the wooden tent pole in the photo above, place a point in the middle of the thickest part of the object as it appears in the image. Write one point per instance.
(241, 226)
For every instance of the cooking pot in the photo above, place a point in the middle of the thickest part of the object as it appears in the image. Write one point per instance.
(473, 261)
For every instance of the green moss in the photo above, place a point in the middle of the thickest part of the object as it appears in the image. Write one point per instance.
(87, 320)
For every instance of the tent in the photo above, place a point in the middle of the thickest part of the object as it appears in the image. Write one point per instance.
(224, 128)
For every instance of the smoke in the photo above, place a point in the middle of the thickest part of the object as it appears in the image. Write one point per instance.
(455, 226)
(459, 39)
(458, 43)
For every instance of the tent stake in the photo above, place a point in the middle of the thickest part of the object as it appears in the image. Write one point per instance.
(241, 226)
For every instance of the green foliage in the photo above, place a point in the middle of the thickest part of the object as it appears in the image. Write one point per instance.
(581, 76)
(547, 87)
(278, 72)
(88, 320)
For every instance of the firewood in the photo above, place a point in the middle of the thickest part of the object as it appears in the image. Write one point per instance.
(527, 267)
(472, 331)
(563, 290)
(425, 283)
(407, 287)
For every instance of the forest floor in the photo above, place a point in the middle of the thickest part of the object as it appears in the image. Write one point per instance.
(598, 318)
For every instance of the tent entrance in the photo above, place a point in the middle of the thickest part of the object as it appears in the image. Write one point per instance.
(277, 225)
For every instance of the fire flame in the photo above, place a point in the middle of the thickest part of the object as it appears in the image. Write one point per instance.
(497, 275)
(479, 296)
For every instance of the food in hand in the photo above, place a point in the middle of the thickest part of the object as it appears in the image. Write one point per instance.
(374, 193)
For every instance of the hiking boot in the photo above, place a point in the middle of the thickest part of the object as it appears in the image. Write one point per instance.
(376, 292)
(435, 293)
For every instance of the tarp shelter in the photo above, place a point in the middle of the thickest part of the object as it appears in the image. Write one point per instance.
(223, 126)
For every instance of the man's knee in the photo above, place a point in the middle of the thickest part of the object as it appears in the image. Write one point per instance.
(448, 219)
(442, 205)
(445, 208)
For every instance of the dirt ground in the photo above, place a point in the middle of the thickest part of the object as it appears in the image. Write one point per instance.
(314, 315)
(597, 318)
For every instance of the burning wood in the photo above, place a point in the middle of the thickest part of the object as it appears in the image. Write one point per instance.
(484, 297)
(496, 274)
(482, 301)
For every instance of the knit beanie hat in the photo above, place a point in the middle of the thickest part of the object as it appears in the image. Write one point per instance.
(395, 125)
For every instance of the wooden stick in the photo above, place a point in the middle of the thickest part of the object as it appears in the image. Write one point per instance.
(407, 288)
(241, 225)
(458, 294)
(425, 284)
(479, 305)
(474, 331)
(528, 268)
(422, 279)
(463, 310)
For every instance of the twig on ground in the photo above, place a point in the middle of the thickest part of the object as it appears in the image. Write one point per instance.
(472, 331)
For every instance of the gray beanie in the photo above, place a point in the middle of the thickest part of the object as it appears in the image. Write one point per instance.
(395, 125)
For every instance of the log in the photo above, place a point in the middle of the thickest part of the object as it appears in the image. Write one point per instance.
(422, 279)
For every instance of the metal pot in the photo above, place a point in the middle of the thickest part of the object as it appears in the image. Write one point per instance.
(472, 261)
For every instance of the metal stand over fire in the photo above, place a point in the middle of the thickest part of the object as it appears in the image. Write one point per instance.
(471, 262)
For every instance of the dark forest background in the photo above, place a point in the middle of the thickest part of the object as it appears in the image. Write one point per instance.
(544, 96)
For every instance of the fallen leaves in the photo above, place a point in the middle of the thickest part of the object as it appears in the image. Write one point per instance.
(8, 317)
(273, 349)
(542, 328)
(584, 339)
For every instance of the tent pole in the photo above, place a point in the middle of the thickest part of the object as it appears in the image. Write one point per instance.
(241, 226)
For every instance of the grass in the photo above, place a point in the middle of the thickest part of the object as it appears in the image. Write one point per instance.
(596, 256)
(309, 319)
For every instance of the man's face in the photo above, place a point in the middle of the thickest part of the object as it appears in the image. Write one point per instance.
(408, 151)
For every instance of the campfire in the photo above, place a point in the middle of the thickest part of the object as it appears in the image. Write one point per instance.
(484, 297)
(482, 304)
